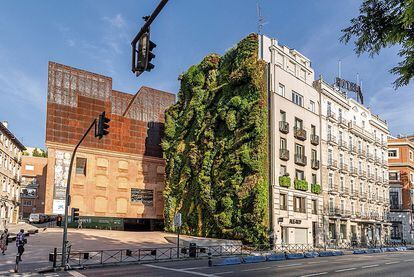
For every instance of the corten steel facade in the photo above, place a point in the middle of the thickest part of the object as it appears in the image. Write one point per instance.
(401, 178)
(119, 179)
(33, 187)
(10, 176)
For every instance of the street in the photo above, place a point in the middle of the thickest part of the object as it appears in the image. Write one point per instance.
(384, 264)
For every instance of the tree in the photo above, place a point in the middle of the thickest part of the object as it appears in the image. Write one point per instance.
(381, 24)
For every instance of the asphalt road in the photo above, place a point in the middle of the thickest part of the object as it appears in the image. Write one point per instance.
(383, 264)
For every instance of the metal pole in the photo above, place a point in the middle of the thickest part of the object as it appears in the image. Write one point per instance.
(67, 198)
(145, 28)
(178, 243)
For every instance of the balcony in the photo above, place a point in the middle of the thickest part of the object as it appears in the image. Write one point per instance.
(301, 185)
(315, 164)
(363, 196)
(342, 122)
(371, 177)
(377, 142)
(284, 181)
(331, 116)
(353, 149)
(344, 191)
(332, 189)
(316, 188)
(284, 127)
(362, 174)
(377, 161)
(355, 129)
(314, 139)
(343, 168)
(384, 145)
(300, 160)
(300, 133)
(361, 153)
(332, 164)
(353, 171)
(332, 139)
(354, 194)
(370, 157)
(17, 179)
(342, 144)
(284, 154)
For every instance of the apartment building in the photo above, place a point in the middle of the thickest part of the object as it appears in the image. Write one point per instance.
(10, 177)
(117, 182)
(296, 202)
(353, 168)
(33, 185)
(401, 180)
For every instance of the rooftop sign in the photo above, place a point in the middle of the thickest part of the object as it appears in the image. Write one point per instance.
(350, 86)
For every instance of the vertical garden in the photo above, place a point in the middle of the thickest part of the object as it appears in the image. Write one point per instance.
(216, 147)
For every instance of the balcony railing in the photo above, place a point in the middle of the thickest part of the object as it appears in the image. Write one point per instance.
(363, 195)
(300, 133)
(331, 115)
(343, 167)
(284, 127)
(377, 142)
(344, 191)
(361, 153)
(315, 164)
(353, 149)
(355, 194)
(362, 174)
(332, 164)
(370, 157)
(314, 139)
(284, 154)
(342, 121)
(377, 161)
(332, 188)
(300, 160)
(331, 139)
(342, 144)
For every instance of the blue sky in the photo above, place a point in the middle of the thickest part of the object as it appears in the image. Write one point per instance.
(96, 35)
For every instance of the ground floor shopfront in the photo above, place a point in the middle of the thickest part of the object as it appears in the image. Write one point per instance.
(355, 231)
(401, 229)
(9, 214)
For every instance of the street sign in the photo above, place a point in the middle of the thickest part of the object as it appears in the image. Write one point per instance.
(177, 220)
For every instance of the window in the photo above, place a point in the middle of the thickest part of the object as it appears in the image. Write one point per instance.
(314, 155)
(297, 98)
(283, 202)
(350, 142)
(393, 176)
(331, 204)
(330, 156)
(283, 144)
(340, 114)
(313, 129)
(328, 108)
(392, 153)
(29, 167)
(144, 196)
(330, 180)
(27, 203)
(342, 205)
(312, 106)
(299, 204)
(281, 90)
(81, 166)
(314, 179)
(352, 208)
(411, 155)
(314, 206)
(299, 174)
(283, 170)
(394, 199)
(342, 183)
(299, 150)
(298, 123)
(352, 186)
(282, 116)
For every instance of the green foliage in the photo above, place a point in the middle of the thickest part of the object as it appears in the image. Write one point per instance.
(215, 146)
(316, 188)
(301, 184)
(284, 181)
(382, 24)
(39, 153)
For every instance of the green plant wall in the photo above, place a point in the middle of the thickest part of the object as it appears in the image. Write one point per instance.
(216, 147)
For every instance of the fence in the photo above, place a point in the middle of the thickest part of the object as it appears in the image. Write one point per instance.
(81, 259)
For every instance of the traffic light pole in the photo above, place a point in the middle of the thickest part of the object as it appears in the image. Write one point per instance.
(67, 198)
(145, 29)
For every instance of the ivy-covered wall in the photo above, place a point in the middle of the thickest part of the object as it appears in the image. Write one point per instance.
(216, 147)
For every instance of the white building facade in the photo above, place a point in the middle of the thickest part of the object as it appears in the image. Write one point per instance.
(296, 202)
(354, 170)
(10, 176)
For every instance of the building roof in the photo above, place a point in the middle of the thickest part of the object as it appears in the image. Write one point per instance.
(12, 137)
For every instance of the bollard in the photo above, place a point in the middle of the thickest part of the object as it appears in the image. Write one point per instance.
(54, 257)
(210, 262)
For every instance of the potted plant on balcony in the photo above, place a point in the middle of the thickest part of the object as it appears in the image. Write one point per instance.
(316, 188)
(284, 181)
(301, 185)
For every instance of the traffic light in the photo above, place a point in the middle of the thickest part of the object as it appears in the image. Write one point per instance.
(75, 214)
(145, 55)
(103, 126)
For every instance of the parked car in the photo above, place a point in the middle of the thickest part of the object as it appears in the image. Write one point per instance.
(37, 218)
